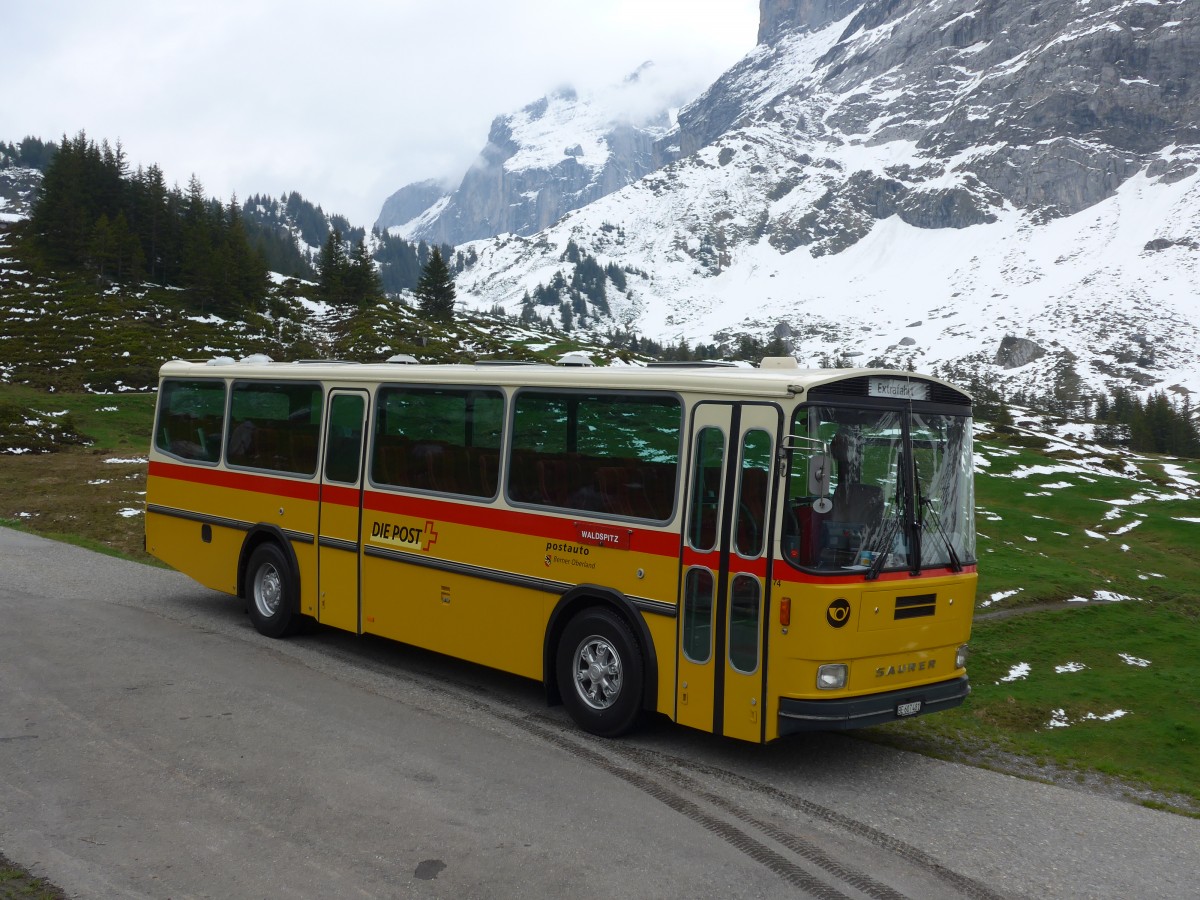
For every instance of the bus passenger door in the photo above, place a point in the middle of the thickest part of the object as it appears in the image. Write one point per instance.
(338, 544)
(728, 530)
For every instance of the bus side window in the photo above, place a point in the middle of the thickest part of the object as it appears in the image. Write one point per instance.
(704, 502)
(190, 414)
(697, 615)
(442, 440)
(745, 607)
(274, 426)
(343, 450)
(751, 533)
(612, 454)
(803, 525)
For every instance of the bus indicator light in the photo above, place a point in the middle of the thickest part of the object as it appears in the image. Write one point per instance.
(785, 612)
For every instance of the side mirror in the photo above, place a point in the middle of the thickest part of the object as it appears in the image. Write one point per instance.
(818, 481)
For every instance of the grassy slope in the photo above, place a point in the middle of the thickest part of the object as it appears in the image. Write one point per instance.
(1099, 527)
(61, 331)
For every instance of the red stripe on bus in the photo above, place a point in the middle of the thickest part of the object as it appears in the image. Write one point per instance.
(551, 528)
(792, 576)
(240, 481)
(737, 564)
(660, 543)
(342, 496)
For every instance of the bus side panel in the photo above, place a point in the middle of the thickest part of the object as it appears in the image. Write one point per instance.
(180, 544)
(230, 503)
(306, 559)
(295, 517)
(480, 621)
(662, 630)
(514, 568)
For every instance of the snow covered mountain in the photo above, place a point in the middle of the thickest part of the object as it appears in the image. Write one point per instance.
(1005, 189)
(557, 154)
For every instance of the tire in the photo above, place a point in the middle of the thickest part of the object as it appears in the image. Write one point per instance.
(600, 673)
(271, 589)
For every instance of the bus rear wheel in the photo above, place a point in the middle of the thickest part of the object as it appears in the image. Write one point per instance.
(271, 592)
(600, 673)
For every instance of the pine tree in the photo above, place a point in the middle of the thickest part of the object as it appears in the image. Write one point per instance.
(196, 237)
(528, 313)
(60, 219)
(435, 291)
(363, 285)
(245, 277)
(749, 348)
(131, 260)
(777, 346)
(333, 269)
(1189, 435)
(102, 248)
(151, 216)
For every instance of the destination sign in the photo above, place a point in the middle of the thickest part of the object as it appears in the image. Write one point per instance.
(898, 389)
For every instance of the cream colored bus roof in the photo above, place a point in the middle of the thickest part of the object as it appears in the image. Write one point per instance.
(723, 380)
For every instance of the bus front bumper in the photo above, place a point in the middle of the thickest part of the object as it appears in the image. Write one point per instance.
(873, 709)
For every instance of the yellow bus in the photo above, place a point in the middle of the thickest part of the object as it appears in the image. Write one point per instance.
(749, 551)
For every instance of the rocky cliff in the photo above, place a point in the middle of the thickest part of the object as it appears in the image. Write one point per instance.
(778, 17)
(1049, 106)
(412, 201)
(916, 181)
(555, 155)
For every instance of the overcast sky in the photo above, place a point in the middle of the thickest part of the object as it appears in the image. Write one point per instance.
(344, 102)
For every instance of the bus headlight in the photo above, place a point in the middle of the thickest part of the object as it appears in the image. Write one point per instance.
(960, 657)
(832, 677)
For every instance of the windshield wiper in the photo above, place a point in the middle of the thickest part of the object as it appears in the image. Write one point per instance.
(918, 520)
(888, 535)
(887, 541)
(883, 547)
(955, 562)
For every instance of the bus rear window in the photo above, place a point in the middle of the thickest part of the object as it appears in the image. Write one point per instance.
(275, 426)
(612, 454)
(190, 416)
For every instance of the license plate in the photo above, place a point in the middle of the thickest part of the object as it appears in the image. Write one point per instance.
(908, 709)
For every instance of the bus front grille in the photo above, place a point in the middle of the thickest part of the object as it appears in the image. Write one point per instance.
(915, 606)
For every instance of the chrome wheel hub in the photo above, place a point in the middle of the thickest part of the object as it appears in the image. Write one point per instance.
(268, 591)
(597, 672)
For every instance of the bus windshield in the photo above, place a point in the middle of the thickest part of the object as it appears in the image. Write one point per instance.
(898, 492)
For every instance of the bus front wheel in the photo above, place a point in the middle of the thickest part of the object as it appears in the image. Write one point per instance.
(599, 668)
(271, 592)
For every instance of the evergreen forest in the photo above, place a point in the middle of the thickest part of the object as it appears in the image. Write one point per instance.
(93, 214)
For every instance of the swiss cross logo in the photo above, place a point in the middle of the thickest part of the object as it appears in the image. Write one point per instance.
(431, 537)
(400, 533)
